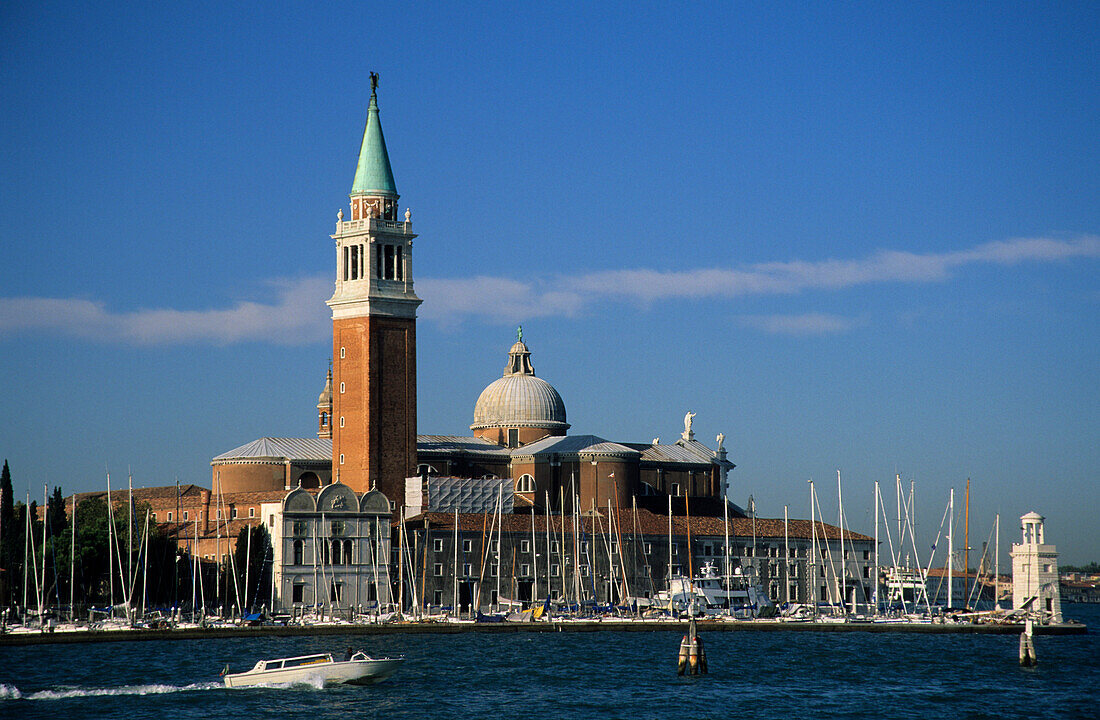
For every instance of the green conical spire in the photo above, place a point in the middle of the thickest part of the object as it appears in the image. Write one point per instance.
(373, 176)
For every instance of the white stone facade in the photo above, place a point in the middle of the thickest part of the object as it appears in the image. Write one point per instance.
(332, 551)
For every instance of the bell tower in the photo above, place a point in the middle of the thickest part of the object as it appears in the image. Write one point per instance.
(374, 328)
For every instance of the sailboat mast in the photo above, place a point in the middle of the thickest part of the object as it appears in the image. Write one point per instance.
(875, 593)
(455, 589)
(195, 570)
(811, 582)
(726, 530)
(130, 534)
(535, 559)
(997, 563)
(966, 544)
(72, 566)
(786, 557)
(843, 555)
(110, 550)
(44, 601)
(950, 546)
(145, 564)
(247, 569)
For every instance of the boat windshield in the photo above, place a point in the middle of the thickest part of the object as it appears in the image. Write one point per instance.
(305, 660)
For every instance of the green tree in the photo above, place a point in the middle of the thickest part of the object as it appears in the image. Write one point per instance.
(55, 513)
(254, 561)
(8, 535)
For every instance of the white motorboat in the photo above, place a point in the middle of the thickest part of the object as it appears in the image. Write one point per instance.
(322, 669)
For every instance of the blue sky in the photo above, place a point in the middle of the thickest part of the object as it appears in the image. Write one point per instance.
(848, 236)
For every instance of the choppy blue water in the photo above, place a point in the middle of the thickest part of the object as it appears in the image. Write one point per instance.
(574, 675)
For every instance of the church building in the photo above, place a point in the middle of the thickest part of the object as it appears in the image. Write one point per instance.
(343, 507)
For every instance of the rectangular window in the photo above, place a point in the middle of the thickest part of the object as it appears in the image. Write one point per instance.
(341, 421)
(437, 569)
(389, 262)
(341, 454)
(554, 547)
(467, 545)
(467, 569)
(297, 593)
(341, 353)
(169, 516)
(584, 546)
(347, 261)
(492, 571)
(513, 437)
(866, 571)
(219, 513)
(675, 548)
(524, 570)
(233, 512)
(341, 388)
(335, 590)
(525, 546)
(614, 547)
(271, 520)
(362, 255)
(299, 528)
(437, 598)
(494, 546)
(398, 264)
(675, 570)
(675, 488)
(584, 571)
(354, 262)
(184, 514)
(379, 262)
(437, 544)
(555, 571)
(647, 548)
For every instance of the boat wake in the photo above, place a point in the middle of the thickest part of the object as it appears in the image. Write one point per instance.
(10, 692)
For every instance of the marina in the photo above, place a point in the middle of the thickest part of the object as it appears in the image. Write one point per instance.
(612, 673)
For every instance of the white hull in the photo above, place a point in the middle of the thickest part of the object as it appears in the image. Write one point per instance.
(360, 670)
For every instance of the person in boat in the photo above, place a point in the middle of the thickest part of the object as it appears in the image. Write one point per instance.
(348, 654)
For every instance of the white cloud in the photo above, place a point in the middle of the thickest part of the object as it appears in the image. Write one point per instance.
(807, 324)
(296, 315)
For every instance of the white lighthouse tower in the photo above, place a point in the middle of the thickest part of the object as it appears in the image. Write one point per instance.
(1035, 570)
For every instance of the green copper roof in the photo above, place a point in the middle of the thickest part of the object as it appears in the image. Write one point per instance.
(373, 176)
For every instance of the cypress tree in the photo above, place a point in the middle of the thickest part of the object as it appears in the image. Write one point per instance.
(8, 532)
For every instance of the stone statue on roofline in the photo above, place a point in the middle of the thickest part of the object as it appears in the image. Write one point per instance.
(688, 435)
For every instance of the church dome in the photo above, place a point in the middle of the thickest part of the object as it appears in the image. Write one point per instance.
(519, 399)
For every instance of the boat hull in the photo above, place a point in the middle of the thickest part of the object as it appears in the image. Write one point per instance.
(352, 672)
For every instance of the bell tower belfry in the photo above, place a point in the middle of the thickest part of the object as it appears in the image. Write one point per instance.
(374, 328)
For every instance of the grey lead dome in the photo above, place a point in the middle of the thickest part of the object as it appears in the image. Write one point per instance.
(519, 399)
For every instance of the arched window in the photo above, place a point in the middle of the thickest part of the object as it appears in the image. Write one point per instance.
(425, 469)
(299, 552)
(525, 484)
(336, 553)
(347, 552)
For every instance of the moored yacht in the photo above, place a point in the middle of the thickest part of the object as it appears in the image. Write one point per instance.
(714, 594)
